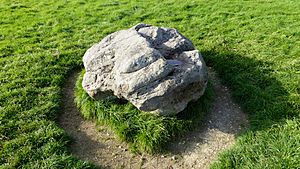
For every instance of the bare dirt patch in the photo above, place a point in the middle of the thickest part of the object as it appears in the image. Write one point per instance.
(196, 149)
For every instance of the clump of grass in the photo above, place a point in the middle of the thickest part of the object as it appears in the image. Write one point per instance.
(145, 132)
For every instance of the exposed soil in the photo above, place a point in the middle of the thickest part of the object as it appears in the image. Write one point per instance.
(196, 149)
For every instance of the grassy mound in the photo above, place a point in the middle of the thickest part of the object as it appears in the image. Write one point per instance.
(143, 131)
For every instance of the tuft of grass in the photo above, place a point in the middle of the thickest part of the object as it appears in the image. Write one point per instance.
(145, 132)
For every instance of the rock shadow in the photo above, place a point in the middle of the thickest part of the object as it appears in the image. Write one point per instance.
(215, 130)
(255, 90)
(253, 87)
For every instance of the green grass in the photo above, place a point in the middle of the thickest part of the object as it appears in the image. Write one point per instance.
(254, 46)
(143, 131)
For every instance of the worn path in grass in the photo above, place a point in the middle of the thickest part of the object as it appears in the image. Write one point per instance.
(196, 149)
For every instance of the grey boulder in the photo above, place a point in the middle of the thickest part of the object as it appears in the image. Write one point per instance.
(157, 69)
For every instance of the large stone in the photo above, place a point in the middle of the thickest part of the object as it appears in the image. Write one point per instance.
(157, 69)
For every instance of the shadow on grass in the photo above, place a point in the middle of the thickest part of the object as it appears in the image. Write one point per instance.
(253, 87)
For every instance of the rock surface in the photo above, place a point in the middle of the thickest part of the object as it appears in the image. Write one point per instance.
(157, 69)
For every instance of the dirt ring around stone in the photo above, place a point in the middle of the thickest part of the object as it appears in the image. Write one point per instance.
(196, 149)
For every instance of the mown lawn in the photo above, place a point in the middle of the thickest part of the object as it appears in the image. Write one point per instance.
(254, 46)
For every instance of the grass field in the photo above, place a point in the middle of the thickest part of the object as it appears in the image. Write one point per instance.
(254, 46)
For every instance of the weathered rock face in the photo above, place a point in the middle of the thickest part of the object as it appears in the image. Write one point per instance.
(157, 69)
